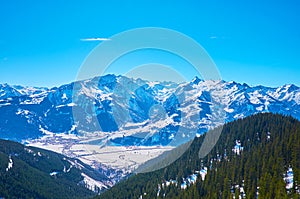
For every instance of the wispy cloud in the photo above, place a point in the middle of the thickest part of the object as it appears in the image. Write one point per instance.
(213, 37)
(96, 39)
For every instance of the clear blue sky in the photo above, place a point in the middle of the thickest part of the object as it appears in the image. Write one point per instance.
(256, 42)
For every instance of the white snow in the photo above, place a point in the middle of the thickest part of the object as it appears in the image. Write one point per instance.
(63, 105)
(28, 150)
(203, 173)
(238, 116)
(183, 185)
(91, 183)
(54, 173)
(64, 96)
(229, 110)
(23, 112)
(260, 108)
(92, 92)
(10, 164)
(73, 127)
(118, 157)
(46, 132)
(289, 178)
(6, 104)
(266, 105)
(238, 147)
(254, 97)
(152, 84)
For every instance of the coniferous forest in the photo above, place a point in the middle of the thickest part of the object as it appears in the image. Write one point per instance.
(29, 172)
(269, 147)
(255, 157)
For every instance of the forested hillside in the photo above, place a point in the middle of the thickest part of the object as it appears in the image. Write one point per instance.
(255, 157)
(29, 172)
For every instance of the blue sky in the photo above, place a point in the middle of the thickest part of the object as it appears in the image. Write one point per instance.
(256, 42)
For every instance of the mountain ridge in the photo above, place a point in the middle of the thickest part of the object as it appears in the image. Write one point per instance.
(119, 111)
(255, 157)
(125, 103)
(30, 172)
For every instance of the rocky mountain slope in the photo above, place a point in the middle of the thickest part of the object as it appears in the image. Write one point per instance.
(141, 112)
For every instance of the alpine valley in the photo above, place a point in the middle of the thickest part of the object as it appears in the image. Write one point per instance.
(110, 125)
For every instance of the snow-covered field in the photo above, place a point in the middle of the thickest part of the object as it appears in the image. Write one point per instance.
(118, 157)
(84, 148)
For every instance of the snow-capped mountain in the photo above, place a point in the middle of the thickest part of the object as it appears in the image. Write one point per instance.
(7, 91)
(135, 111)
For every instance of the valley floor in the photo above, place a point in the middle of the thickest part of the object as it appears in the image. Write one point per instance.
(93, 151)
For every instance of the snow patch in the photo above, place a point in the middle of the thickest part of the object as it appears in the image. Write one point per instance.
(229, 110)
(10, 164)
(92, 184)
(64, 96)
(54, 173)
(22, 112)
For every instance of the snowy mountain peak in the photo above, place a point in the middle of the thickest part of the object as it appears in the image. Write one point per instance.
(130, 108)
(196, 80)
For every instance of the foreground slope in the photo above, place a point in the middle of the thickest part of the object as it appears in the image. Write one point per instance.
(28, 172)
(250, 160)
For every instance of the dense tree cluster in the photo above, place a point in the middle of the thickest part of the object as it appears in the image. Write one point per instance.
(271, 144)
(29, 175)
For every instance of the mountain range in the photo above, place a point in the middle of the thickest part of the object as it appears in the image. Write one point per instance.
(76, 119)
(142, 112)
